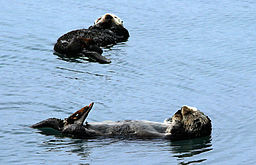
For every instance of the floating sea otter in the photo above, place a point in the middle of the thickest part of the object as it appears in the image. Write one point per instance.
(186, 123)
(107, 30)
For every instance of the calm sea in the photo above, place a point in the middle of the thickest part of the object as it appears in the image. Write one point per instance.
(199, 53)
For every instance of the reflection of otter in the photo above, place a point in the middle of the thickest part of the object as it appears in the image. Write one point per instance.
(107, 30)
(76, 146)
(186, 123)
(188, 148)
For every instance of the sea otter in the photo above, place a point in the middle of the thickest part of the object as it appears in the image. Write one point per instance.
(107, 30)
(186, 123)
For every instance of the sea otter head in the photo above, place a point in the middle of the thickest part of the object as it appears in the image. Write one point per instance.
(109, 18)
(113, 25)
(188, 122)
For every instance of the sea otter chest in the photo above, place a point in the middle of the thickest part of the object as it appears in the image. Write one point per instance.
(128, 128)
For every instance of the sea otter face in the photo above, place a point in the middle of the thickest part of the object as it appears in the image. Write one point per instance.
(189, 122)
(109, 17)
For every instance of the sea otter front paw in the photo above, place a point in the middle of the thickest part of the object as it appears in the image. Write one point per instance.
(96, 57)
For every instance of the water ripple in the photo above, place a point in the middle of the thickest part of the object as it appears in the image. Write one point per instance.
(199, 54)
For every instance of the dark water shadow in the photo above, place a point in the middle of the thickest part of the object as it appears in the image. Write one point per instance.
(92, 57)
(76, 146)
(184, 151)
(81, 59)
(70, 59)
(59, 143)
(189, 148)
(50, 132)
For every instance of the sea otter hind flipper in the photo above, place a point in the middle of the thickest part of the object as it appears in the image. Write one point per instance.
(79, 116)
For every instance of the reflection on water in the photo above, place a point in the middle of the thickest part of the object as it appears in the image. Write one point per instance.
(50, 131)
(81, 59)
(76, 146)
(186, 151)
(189, 148)
(68, 59)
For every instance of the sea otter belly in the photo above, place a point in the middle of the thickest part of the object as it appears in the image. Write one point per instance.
(129, 128)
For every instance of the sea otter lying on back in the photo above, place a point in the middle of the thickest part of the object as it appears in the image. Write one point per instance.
(107, 30)
(186, 123)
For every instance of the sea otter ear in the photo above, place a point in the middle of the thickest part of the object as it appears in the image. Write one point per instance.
(185, 110)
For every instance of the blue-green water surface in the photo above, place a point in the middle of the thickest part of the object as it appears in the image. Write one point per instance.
(198, 53)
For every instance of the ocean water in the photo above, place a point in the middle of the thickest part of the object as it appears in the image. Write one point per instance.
(197, 53)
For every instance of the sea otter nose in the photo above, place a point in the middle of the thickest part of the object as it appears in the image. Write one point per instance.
(108, 17)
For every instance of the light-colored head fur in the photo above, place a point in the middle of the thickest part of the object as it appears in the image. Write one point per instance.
(115, 19)
(178, 117)
(189, 107)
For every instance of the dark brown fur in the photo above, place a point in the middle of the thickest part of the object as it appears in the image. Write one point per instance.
(87, 42)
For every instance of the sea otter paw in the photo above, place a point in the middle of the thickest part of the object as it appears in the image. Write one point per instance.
(96, 57)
